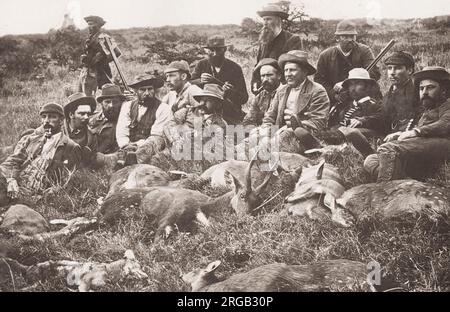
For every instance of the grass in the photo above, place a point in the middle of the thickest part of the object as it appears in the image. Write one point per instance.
(416, 257)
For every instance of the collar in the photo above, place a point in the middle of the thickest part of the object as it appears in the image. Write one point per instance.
(344, 53)
(185, 87)
(300, 86)
(402, 86)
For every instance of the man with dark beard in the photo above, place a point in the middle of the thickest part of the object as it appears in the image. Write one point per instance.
(335, 62)
(415, 152)
(217, 69)
(273, 40)
(39, 158)
(103, 124)
(141, 122)
(269, 72)
(96, 58)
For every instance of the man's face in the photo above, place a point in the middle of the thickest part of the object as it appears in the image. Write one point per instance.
(175, 81)
(398, 74)
(270, 77)
(431, 93)
(216, 55)
(52, 122)
(93, 27)
(357, 89)
(207, 106)
(80, 117)
(271, 25)
(146, 95)
(111, 108)
(294, 74)
(346, 42)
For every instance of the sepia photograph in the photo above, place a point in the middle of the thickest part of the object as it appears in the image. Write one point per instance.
(218, 146)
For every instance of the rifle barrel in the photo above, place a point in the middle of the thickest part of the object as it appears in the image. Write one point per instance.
(381, 54)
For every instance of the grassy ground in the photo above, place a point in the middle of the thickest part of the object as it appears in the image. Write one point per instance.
(417, 258)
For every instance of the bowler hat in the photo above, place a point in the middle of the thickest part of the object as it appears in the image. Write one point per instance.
(216, 42)
(266, 61)
(77, 99)
(110, 90)
(299, 57)
(96, 19)
(346, 27)
(181, 66)
(432, 72)
(273, 10)
(209, 90)
(400, 58)
(358, 74)
(147, 80)
(52, 108)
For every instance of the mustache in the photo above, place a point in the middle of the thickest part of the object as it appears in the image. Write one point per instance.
(266, 35)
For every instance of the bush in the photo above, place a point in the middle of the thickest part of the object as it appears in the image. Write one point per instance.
(67, 45)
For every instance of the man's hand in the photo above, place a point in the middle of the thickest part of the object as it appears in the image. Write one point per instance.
(12, 189)
(392, 136)
(354, 123)
(227, 86)
(287, 117)
(407, 135)
(206, 78)
(338, 87)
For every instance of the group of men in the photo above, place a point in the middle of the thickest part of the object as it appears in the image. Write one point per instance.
(343, 103)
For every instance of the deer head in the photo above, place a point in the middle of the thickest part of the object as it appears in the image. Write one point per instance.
(246, 198)
(200, 278)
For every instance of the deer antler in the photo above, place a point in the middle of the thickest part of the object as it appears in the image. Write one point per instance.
(248, 174)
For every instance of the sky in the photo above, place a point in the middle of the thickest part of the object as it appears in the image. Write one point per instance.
(38, 16)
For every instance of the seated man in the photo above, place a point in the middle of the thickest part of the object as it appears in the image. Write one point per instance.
(39, 158)
(414, 152)
(141, 122)
(218, 69)
(102, 125)
(77, 111)
(301, 106)
(268, 72)
(357, 119)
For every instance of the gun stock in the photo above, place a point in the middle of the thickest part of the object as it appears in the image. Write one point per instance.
(116, 62)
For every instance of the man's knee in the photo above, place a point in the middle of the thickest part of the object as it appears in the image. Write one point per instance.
(371, 164)
(305, 137)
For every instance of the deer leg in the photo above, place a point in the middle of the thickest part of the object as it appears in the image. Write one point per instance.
(200, 216)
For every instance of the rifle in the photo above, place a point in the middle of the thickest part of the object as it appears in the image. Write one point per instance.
(116, 62)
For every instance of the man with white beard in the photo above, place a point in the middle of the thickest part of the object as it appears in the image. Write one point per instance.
(273, 40)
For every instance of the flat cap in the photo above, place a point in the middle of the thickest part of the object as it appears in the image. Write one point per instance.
(52, 108)
(95, 19)
(400, 58)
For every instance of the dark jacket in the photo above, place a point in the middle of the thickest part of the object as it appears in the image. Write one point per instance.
(368, 111)
(400, 107)
(141, 130)
(435, 122)
(104, 134)
(312, 99)
(231, 72)
(258, 107)
(67, 154)
(333, 66)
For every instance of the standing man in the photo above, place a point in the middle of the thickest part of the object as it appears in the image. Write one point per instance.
(414, 152)
(96, 58)
(273, 40)
(141, 121)
(39, 158)
(335, 62)
(102, 125)
(269, 73)
(217, 69)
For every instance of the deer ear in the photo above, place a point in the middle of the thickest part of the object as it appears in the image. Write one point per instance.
(237, 185)
(213, 266)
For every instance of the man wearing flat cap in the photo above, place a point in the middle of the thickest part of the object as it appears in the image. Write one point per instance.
(218, 69)
(96, 58)
(39, 158)
(273, 40)
(301, 105)
(401, 105)
(269, 73)
(142, 121)
(335, 62)
(102, 125)
(416, 152)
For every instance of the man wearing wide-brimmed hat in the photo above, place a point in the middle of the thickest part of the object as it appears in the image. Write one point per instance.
(273, 40)
(416, 152)
(269, 73)
(401, 105)
(335, 62)
(218, 69)
(302, 105)
(103, 124)
(357, 119)
(96, 58)
(39, 157)
(141, 121)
